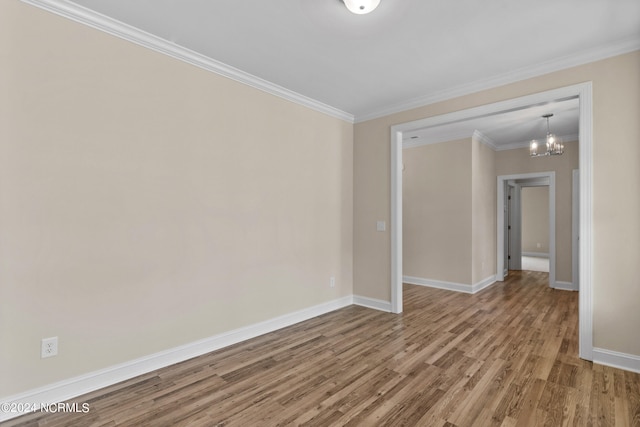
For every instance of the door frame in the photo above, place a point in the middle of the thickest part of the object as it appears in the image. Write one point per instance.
(584, 92)
(575, 229)
(500, 218)
(512, 225)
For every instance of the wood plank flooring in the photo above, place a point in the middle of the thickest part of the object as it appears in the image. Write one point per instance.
(506, 356)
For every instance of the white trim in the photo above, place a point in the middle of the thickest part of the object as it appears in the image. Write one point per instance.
(502, 179)
(483, 284)
(514, 259)
(450, 286)
(439, 284)
(592, 55)
(373, 303)
(533, 182)
(581, 90)
(455, 134)
(127, 32)
(575, 228)
(565, 286)
(536, 254)
(451, 134)
(628, 362)
(484, 139)
(396, 220)
(77, 386)
(585, 249)
(446, 136)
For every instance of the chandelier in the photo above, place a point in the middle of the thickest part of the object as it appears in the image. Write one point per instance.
(361, 7)
(553, 146)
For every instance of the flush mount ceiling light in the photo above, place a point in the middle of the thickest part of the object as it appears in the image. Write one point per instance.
(361, 7)
(553, 146)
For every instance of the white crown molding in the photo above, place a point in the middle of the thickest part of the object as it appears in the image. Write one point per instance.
(514, 145)
(111, 26)
(484, 139)
(451, 134)
(454, 135)
(73, 387)
(585, 57)
(124, 31)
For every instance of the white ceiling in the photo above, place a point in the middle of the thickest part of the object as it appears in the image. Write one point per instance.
(405, 53)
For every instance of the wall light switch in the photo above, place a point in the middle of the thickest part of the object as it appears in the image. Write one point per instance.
(381, 226)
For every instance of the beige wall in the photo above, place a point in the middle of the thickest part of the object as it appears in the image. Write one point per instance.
(146, 203)
(616, 130)
(517, 161)
(449, 198)
(436, 234)
(535, 219)
(483, 217)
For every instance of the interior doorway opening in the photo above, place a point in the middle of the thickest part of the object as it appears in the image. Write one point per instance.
(584, 93)
(509, 221)
(534, 255)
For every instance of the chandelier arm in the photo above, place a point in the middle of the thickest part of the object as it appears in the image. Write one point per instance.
(554, 146)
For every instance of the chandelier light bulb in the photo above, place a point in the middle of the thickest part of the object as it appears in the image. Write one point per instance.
(554, 145)
(360, 7)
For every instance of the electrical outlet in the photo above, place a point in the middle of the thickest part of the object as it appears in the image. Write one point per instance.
(332, 282)
(49, 347)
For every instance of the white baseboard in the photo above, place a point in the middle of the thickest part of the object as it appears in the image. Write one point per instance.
(477, 287)
(565, 286)
(376, 304)
(68, 389)
(439, 284)
(536, 254)
(628, 362)
(77, 386)
(450, 286)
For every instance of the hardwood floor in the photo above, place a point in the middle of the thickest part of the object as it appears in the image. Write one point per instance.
(506, 356)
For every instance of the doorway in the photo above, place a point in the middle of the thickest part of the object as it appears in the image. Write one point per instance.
(509, 215)
(534, 255)
(583, 92)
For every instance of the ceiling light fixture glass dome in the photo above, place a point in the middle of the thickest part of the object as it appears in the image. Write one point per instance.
(361, 7)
